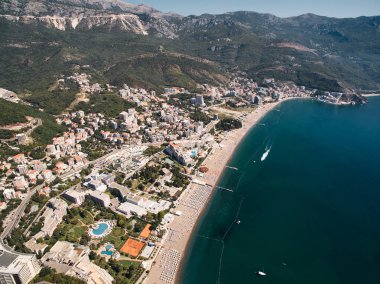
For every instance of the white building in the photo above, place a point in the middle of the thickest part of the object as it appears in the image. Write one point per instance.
(131, 209)
(22, 169)
(97, 185)
(75, 196)
(199, 100)
(121, 191)
(123, 116)
(198, 127)
(17, 267)
(147, 251)
(47, 174)
(176, 152)
(20, 183)
(100, 198)
(9, 193)
(53, 215)
(73, 260)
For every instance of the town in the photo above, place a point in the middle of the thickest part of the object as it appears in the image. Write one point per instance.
(96, 204)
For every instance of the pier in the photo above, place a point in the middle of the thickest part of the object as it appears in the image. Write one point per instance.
(220, 187)
(233, 168)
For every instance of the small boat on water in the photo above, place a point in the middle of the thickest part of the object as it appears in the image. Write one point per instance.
(265, 155)
(261, 273)
(238, 222)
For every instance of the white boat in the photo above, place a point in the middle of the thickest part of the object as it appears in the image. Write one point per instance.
(265, 155)
(238, 222)
(261, 273)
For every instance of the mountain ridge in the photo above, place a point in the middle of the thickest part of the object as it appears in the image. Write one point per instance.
(319, 52)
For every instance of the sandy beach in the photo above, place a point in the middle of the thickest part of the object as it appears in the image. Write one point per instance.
(166, 266)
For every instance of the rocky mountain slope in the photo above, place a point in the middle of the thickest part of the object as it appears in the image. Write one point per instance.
(52, 36)
(77, 14)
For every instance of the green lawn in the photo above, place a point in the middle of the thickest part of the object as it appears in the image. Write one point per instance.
(115, 237)
(87, 219)
(76, 232)
(128, 263)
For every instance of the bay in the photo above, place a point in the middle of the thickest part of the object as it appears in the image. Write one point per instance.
(309, 212)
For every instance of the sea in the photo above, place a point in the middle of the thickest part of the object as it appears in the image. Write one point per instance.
(305, 206)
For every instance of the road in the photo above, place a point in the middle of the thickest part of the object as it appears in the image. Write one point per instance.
(36, 122)
(19, 212)
(21, 208)
(67, 175)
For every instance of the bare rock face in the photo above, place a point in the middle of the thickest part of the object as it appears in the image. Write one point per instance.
(88, 14)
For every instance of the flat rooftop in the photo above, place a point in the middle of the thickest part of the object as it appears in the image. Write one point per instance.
(6, 258)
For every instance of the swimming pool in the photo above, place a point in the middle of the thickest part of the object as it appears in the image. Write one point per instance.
(194, 153)
(102, 227)
(107, 252)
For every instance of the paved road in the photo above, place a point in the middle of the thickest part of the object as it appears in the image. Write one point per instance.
(21, 208)
(18, 213)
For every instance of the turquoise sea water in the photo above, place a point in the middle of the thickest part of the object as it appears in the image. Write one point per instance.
(310, 212)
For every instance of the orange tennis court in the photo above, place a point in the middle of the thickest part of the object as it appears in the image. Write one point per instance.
(132, 247)
(146, 232)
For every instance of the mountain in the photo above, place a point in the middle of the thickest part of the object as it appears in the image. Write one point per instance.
(89, 14)
(311, 50)
(135, 44)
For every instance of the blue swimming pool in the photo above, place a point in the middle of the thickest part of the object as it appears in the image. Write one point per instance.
(108, 247)
(194, 153)
(102, 227)
(107, 252)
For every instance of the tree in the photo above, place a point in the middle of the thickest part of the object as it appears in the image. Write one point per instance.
(228, 123)
(141, 187)
(122, 221)
(27, 208)
(46, 271)
(138, 227)
(85, 239)
(92, 255)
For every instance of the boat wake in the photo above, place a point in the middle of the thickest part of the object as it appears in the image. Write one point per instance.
(266, 153)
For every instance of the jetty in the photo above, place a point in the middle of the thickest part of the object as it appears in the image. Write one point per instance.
(220, 187)
(233, 168)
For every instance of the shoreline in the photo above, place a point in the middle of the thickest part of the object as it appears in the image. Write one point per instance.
(216, 162)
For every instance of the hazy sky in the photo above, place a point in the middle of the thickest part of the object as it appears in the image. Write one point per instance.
(282, 8)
